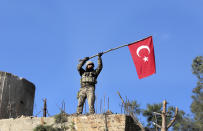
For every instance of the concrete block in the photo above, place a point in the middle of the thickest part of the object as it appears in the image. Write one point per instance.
(16, 96)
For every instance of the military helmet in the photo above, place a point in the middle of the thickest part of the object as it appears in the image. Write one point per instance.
(89, 63)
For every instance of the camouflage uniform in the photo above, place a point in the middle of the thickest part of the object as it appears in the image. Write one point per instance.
(88, 81)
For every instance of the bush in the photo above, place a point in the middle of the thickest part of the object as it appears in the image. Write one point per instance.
(60, 118)
(46, 128)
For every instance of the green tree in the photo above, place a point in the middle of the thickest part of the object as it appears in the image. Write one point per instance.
(183, 121)
(197, 104)
(148, 113)
(133, 106)
(186, 123)
(152, 114)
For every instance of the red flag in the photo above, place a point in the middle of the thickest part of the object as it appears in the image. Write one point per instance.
(143, 56)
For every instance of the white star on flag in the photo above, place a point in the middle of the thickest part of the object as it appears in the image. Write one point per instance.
(145, 59)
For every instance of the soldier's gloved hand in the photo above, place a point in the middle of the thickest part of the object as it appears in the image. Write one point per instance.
(86, 58)
(100, 54)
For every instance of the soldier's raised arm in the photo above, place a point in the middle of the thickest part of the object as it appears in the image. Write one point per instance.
(82, 62)
(100, 65)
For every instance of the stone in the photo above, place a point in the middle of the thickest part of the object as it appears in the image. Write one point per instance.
(95, 122)
(16, 96)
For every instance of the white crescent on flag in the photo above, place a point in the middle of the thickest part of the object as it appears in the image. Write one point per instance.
(142, 47)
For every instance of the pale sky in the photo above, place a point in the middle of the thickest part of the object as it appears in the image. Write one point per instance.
(42, 41)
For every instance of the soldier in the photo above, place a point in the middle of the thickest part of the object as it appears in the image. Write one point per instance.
(88, 81)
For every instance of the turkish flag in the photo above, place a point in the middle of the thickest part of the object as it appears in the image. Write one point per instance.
(143, 56)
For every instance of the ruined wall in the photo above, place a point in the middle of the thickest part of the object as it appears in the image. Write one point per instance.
(114, 122)
(16, 96)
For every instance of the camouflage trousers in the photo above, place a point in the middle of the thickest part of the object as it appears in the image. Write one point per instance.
(89, 93)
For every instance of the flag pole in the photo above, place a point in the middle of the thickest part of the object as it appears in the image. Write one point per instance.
(109, 50)
(117, 48)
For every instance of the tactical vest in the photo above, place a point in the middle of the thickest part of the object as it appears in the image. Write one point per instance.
(89, 77)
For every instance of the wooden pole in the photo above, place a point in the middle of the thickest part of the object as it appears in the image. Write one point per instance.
(108, 103)
(164, 126)
(121, 108)
(101, 106)
(116, 48)
(45, 108)
(104, 104)
(96, 104)
(163, 115)
(63, 107)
